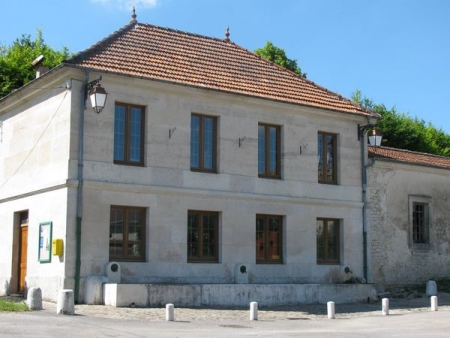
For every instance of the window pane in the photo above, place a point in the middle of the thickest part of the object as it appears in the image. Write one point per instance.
(195, 142)
(273, 147)
(261, 149)
(274, 238)
(332, 240)
(135, 233)
(116, 233)
(208, 142)
(320, 240)
(119, 133)
(135, 135)
(260, 240)
(209, 236)
(193, 235)
(330, 158)
(320, 155)
(418, 223)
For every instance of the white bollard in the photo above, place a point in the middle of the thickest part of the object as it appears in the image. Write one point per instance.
(434, 303)
(65, 304)
(385, 306)
(253, 311)
(330, 310)
(34, 299)
(169, 312)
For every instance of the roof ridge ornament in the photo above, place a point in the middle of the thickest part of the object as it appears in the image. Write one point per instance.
(133, 16)
(227, 35)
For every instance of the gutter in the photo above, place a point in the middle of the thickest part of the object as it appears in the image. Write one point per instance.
(80, 188)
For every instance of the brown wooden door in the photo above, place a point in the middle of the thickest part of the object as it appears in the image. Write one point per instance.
(23, 257)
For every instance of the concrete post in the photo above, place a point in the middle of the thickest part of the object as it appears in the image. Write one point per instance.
(34, 299)
(169, 313)
(253, 311)
(434, 303)
(65, 304)
(431, 289)
(330, 310)
(385, 306)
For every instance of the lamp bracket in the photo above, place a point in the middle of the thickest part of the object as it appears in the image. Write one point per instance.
(91, 85)
(363, 129)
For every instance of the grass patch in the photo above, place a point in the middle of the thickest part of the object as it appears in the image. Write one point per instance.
(11, 306)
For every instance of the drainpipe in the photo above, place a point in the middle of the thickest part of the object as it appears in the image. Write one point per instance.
(363, 140)
(80, 187)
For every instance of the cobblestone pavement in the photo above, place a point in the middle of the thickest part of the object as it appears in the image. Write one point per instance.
(299, 312)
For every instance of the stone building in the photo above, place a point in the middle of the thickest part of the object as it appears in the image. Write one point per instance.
(409, 216)
(208, 165)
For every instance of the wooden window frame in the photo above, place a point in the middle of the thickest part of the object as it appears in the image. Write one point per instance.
(266, 240)
(125, 240)
(326, 260)
(200, 258)
(267, 173)
(322, 176)
(424, 243)
(127, 135)
(201, 166)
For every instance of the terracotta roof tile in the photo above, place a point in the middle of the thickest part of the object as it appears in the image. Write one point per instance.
(170, 55)
(411, 157)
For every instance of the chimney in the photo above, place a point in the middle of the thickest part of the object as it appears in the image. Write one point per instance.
(40, 70)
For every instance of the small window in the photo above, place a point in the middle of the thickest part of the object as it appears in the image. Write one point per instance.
(203, 143)
(328, 244)
(269, 159)
(419, 221)
(129, 134)
(327, 151)
(202, 236)
(269, 239)
(127, 233)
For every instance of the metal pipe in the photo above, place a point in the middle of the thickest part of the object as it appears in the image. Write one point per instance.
(364, 200)
(80, 187)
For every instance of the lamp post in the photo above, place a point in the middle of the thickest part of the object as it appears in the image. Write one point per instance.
(97, 95)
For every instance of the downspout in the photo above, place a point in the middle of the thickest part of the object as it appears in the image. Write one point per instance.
(80, 188)
(363, 141)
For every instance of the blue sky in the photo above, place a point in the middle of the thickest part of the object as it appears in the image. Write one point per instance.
(397, 52)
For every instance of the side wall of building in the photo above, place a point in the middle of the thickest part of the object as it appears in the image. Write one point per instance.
(395, 258)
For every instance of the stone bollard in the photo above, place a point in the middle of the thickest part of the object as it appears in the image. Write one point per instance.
(253, 311)
(65, 304)
(330, 310)
(385, 306)
(34, 299)
(434, 303)
(169, 313)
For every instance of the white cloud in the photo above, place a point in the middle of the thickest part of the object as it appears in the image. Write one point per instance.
(129, 4)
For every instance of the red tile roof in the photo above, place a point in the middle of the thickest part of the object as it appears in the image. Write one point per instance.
(410, 157)
(165, 54)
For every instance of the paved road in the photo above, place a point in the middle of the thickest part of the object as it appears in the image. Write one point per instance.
(352, 320)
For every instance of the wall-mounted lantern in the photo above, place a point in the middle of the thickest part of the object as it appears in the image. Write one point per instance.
(97, 95)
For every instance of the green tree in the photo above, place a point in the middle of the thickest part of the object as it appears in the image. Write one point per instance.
(278, 56)
(400, 130)
(15, 61)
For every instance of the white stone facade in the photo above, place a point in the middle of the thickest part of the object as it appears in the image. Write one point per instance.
(38, 173)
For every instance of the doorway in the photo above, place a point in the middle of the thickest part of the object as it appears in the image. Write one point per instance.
(23, 251)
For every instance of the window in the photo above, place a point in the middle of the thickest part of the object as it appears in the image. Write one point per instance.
(128, 134)
(419, 221)
(202, 236)
(268, 151)
(203, 143)
(269, 239)
(328, 234)
(127, 233)
(327, 149)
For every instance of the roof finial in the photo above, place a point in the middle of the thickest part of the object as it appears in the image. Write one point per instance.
(227, 35)
(133, 17)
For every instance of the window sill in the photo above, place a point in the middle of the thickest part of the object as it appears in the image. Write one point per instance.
(421, 247)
